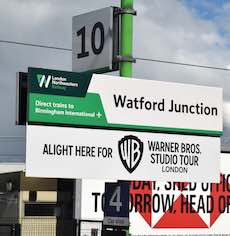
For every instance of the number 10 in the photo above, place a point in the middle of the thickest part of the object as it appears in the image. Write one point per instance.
(96, 50)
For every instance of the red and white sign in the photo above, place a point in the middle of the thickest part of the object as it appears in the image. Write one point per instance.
(170, 208)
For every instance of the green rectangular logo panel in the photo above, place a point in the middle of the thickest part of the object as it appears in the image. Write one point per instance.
(55, 82)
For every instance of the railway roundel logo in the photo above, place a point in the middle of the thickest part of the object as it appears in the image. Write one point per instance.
(130, 151)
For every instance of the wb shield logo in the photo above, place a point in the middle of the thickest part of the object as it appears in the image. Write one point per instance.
(130, 150)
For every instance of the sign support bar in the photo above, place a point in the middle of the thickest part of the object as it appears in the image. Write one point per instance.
(126, 38)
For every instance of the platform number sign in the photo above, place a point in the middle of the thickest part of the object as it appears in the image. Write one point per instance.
(95, 41)
(116, 209)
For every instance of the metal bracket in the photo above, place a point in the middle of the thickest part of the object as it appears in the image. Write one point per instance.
(119, 11)
(120, 58)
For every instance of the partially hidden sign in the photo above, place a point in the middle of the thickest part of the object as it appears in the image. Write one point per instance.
(167, 208)
(116, 209)
(112, 102)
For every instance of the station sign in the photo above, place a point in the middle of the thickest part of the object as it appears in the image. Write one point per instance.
(116, 208)
(114, 123)
(95, 41)
(111, 102)
(65, 152)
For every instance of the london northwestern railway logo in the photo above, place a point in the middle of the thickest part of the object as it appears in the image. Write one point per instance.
(43, 80)
(130, 150)
(55, 82)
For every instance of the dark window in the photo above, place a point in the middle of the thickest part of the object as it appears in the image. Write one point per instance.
(40, 209)
(5, 230)
(94, 232)
(32, 196)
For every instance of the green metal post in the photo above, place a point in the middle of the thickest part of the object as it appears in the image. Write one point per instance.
(126, 38)
(126, 68)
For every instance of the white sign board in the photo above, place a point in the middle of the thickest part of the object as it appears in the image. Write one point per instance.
(194, 209)
(156, 105)
(64, 152)
(94, 40)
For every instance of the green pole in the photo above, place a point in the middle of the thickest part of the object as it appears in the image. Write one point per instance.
(126, 69)
(126, 38)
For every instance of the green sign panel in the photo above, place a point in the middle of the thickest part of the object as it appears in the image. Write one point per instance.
(61, 97)
(66, 110)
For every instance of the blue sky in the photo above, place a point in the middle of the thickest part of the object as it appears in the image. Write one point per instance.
(216, 11)
(206, 9)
